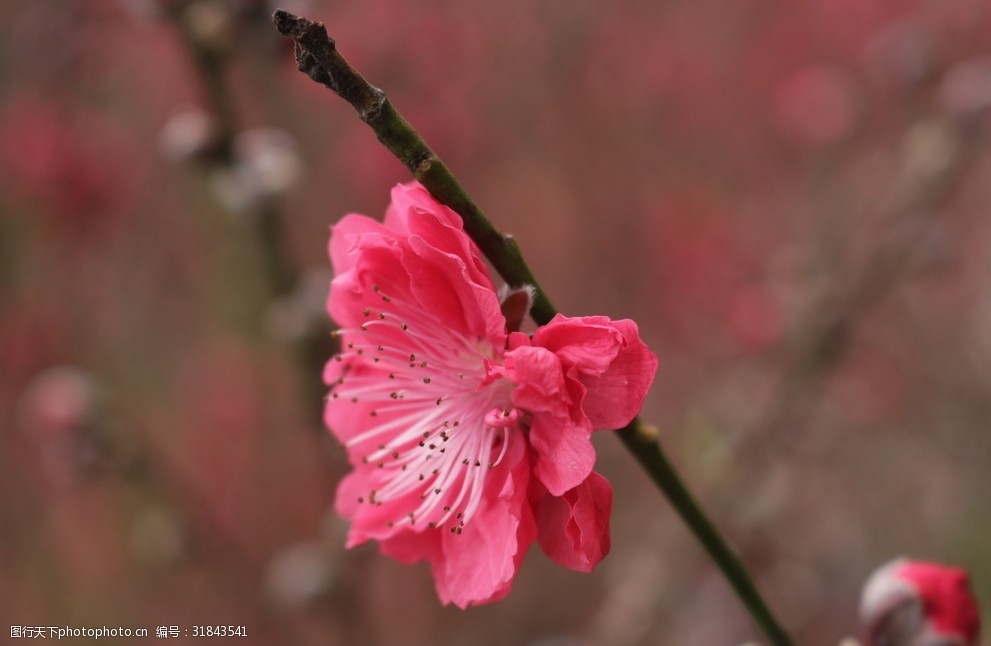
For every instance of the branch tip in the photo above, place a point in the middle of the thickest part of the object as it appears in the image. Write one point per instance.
(287, 23)
(299, 28)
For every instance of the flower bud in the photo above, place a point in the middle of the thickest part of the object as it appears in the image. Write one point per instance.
(913, 603)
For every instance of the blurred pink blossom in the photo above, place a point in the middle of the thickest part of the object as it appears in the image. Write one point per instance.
(468, 440)
(818, 104)
(73, 165)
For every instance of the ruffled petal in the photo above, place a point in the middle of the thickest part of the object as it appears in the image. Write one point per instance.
(574, 528)
(539, 379)
(345, 235)
(445, 288)
(590, 343)
(378, 267)
(615, 397)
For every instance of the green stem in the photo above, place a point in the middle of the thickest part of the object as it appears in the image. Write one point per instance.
(317, 56)
(651, 457)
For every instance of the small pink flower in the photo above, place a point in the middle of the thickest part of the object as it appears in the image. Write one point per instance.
(468, 441)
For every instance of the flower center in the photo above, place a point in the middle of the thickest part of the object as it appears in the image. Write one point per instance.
(429, 424)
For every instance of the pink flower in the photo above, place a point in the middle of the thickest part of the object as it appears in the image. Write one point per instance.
(914, 602)
(468, 441)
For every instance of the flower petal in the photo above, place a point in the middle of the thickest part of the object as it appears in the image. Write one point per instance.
(590, 343)
(617, 377)
(574, 528)
(564, 452)
(345, 235)
(539, 379)
(479, 564)
(559, 431)
(615, 397)
(445, 288)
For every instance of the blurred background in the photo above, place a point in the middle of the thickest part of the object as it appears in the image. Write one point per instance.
(790, 197)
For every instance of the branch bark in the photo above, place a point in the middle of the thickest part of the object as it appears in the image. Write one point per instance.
(318, 58)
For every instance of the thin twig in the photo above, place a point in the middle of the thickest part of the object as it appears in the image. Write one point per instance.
(318, 58)
(211, 63)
